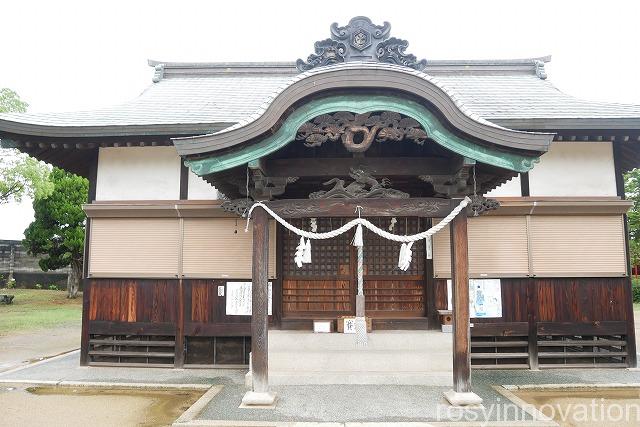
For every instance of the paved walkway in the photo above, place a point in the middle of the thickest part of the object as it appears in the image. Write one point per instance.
(333, 403)
(22, 348)
(67, 368)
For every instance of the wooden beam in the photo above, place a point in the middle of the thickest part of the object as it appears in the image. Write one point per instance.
(381, 166)
(419, 207)
(460, 299)
(259, 306)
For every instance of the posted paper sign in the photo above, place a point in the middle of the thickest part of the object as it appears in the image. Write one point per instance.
(485, 298)
(239, 299)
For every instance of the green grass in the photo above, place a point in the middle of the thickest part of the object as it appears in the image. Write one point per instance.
(38, 309)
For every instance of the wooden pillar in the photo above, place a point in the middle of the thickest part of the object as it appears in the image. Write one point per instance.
(259, 312)
(532, 319)
(84, 333)
(632, 359)
(179, 340)
(460, 299)
(86, 283)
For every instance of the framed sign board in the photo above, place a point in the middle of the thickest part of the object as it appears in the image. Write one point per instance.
(485, 298)
(239, 299)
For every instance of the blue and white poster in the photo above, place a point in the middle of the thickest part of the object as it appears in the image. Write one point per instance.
(485, 298)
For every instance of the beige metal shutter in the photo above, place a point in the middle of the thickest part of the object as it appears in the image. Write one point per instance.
(578, 246)
(219, 248)
(497, 248)
(134, 247)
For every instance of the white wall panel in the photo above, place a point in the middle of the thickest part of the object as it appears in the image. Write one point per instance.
(574, 169)
(138, 173)
(510, 188)
(199, 189)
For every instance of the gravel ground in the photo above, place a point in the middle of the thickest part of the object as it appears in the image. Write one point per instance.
(397, 403)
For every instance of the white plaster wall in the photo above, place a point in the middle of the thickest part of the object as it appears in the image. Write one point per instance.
(138, 173)
(199, 189)
(508, 189)
(574, 169)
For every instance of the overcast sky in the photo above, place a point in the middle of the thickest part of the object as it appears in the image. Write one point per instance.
(73, 55)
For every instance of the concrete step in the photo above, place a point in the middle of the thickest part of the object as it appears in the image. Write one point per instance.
(360, 360)
(377, 340)
(390, 357)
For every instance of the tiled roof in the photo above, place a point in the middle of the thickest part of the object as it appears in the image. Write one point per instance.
(208, 97)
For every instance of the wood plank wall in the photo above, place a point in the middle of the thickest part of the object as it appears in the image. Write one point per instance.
(151, 307)
(539, 309)
(557, 299)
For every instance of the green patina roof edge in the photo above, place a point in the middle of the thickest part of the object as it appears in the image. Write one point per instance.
(361, 104)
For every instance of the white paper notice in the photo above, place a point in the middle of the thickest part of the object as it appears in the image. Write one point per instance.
(239, 299)
(485, 298)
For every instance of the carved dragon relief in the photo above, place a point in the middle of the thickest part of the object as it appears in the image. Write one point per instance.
(360, 40)
(364, 186)
(358, 131)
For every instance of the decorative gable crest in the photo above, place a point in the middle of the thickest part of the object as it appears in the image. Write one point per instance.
(361, 40)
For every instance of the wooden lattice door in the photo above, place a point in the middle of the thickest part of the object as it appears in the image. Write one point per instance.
(323, 288)
(326, 288)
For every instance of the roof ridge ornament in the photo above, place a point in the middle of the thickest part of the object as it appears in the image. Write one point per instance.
(158, 73)
(541, 73)
(361, 40)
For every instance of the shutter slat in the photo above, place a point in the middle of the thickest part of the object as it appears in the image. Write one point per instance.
(141, 247)
(220, 248)
(578, 245)
(497, 247)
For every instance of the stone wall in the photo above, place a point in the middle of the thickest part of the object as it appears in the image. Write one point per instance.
(24, 268)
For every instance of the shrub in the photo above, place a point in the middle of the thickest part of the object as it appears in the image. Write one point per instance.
(37, 286)
(636, 290)
(11, 284)
(53, 287)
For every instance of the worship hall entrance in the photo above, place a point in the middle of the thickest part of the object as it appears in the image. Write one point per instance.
(326, 288)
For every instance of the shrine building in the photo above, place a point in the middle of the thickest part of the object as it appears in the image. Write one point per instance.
(530, 272)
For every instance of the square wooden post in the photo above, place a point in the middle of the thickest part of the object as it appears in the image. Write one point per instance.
(461, 393)
(260, 395)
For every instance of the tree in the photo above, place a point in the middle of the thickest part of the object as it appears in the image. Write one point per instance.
(632, 193)
(57, 231)
(20, 175)
(10, 102)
